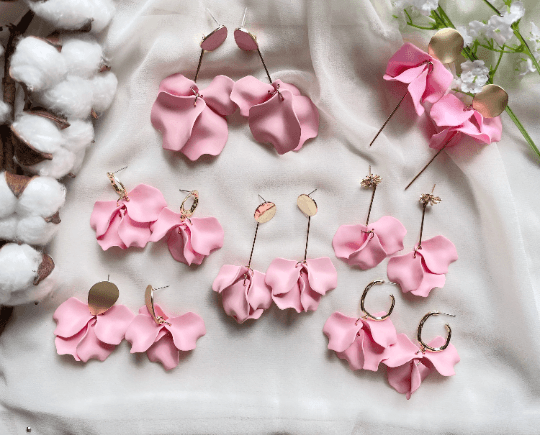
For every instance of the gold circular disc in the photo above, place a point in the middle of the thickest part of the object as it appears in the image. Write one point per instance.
(446, 45)
(307, 205)
(102, 296)
(265, 212)
(491, 101)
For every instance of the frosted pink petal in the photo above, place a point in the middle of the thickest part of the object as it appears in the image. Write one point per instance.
(383, 332)
(226, 276)
(282, 275)
(179, 243)
(165, 352)
(354, 354)
(166, 220)
(142, 331)
(186, 330)
(177, 84)
(373, 353)
(111, 326)
(438, 253)
(71, 317)
(248, 92)
(429, 282)
(408, 56)
(111, 236)
(308, 117)
(401, 352)
(341, 331)
(68, 346)
(445, 360)
(235, 303)
(322, 274)
(287, 86)
(218, 95)
(450, 111)
(358, 247)
(390, 233)
(206, 235)
(438, 82)
(90, 347)
(145, 203)
(309, 299)
(259, 294)
(133, 233)
(407, 271)
(101, 216)
(209, 135)
(417, 89)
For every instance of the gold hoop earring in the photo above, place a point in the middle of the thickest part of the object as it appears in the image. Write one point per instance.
(149, 302)
(117, 185)
(363, 299)
(184, 214)
(423, 345)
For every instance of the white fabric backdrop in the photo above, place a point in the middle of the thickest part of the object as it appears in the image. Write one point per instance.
(275, 375)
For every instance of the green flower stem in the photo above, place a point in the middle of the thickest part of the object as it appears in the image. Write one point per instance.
(514, 118)
(493, 7)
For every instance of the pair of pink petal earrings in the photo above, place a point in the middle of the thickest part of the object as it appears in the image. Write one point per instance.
(93, 330)
(246, 293)
(141, 216)
(193, 120)
(370, 340)
(366, 246)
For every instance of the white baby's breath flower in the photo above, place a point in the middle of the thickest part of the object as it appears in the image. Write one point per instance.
(467, 37)
(423, 6)
(516, 12)
(525, 66)
(473, 77)
(498, 29)
(535, 32)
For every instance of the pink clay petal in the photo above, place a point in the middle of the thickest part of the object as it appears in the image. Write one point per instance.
(248, 92)
(165, 352)
(145, 203)
(206, 235)
(416, 89)
(308, 117)
(68, 346)
(445, 360)
(179, 243)
(408, 75)
(390, 232)
(445, 137)
(209, 135)
(287, 87)
(111, 236)
(218, 95)
(341, 331)
(438, 253)
(101, 216)
(401, 352)
(227, 275)
(399, 378)
(408, 56)
(142, 331)
(259, 294)
(112, 325)
(322, 274)
(309, 298)
(429, 282)
(354, 355)
(349, 239)
(450, 111)
(90, 347)
(370, 255)
(71, 317)
(166, 220)
(291, 299)
(186, 330)
(178, 85)
(407, 271)
(383, 332)
(282, 276)
(373, 353)
(134, 233)
(235, 304)
(438, 82)
(418, 374)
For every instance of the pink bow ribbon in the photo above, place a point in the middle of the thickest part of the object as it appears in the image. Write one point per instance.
(162, 342)
(244, 293)
(277, 113)
(191, 120)
(85, 336)
(363, 342)
(300, 285)
(190, 240)
(125, 223)
(423, 269)
(366, 246)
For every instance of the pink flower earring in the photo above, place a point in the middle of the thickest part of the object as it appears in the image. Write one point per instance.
(126, 221)
(276, 112)
(190, 240)
(364, 341)
(425, 267)
(161, 336)
(408, 365)
(192, 120)
(368, 245)
(301, 284)
(244, 293)
(91, 330)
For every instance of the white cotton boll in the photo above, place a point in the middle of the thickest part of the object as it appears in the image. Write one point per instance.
(78, 135)
(38, 131)
(34, 230)
(60, 166)
(5, 112)
(83, 56)
(79, 159)
(18, 268)
(43, 196)
(104, 89)
(34, 293)
(8, 201)
(102, 13)
(8, 228)
(72, 97)
(37, 64)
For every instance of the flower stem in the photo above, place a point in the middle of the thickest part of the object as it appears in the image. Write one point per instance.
(527, 48)
(493, 7)
(524, 132)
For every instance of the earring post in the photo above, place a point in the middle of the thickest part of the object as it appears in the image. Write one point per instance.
(244, 18)
(253, 245)
(389, 118)
(214, 18)
(199, 65)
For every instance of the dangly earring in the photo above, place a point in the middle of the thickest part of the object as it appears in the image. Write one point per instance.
(368, 245)
(363, 341)
(244, 293)
(301, 284)
(192, 120)
(190, 239)
(276, 112)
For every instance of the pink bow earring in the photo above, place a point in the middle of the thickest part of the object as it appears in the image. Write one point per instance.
(91, 330)
(425, 267)
(161, 336)
(244, 293)
(408, 365)
(368, 245)
(192, 120)
(301, 284)
(190, 239)
(126, 221)
(363, 342)
(276, 112)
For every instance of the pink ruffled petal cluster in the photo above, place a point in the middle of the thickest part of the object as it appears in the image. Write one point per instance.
(162, 342)
(366, 246)
(127, 223)
(408, 366)
(189, 240)
(300, 285)
(427, 77)
(85, 336)
(192, 120)
(453, 117)
(277, 113)
(363, 342)
(423, 269)
(244, 293)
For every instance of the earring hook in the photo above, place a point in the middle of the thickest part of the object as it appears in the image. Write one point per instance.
(424, 346)
(363, 299)
(149, 302)
(118, 185)
(212, 15)
(184, 214)
(244, 17)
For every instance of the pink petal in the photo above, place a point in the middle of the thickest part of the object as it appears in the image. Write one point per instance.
(111, 237)
(186, 330)
(259, 294)
(71, 317)
(111, 326)
(178, 85)
(179, 243)
(450, 111)
(142, 332)
(416, 89)
(134, 233)
(68, 346)
(449, 137)
(383, 332)
(145, 203)
(291, 299)
(309, 299)
(402, 352)
(354, 355)
(438, 253)
(492, 127)
(408, 75)
(308, 117)
(390, 232)
(218, 95)
(438, 82)
(408, 56)
(341, 331)
(206, 235)
(407, 271)
(227, 275)
(209, 135)
(248, 92)
(445, 360)
(429, 282)
(357, 247)
(419, 373)
(91, 347)
(286, 86)
(166, 220)
(282, 276)
(275, 122)
(165, 352)
(101, 216)
(373, 353)
(400, 378)
(235, 303)
(322, 274)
